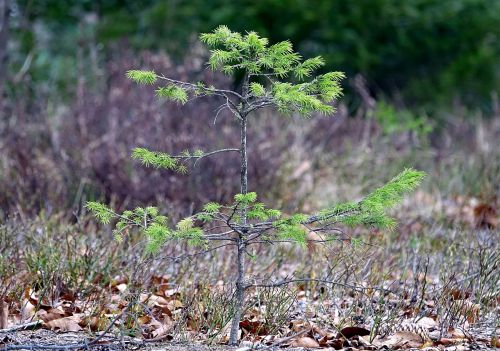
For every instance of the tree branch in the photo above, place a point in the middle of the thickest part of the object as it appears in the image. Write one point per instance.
(207, 154)
(194, 86)
(259, 103)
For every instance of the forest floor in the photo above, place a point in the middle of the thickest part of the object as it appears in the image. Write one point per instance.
(432, 284)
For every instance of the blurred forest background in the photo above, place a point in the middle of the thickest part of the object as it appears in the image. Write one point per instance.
(422, 91)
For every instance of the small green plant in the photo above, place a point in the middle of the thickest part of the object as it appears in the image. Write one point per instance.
(273, 76)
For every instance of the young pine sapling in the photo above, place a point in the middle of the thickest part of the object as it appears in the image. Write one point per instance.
(274, 76)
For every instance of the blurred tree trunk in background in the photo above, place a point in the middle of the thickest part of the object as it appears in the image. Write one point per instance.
(4, 38)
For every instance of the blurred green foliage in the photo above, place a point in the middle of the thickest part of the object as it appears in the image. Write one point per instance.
(426, 52)
(392, 120)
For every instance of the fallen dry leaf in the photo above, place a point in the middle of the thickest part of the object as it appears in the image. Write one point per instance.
(495, 342)
(160, 329)
(253, 327)
(457, 334)
(155, 299)
(171, 292)
(305, 342)
(458, 294)
(446, 341)
(399, 340)
(427, 322)
(485, 216)
(337, 344)
(144, 320)
(159, 310)
(299, 325)
(349, 332)
(68, 296)
(121, 287)
(95, 323)
(28, 310)
(174, 304)
(64, 324)
(160, 283)
(47, 317)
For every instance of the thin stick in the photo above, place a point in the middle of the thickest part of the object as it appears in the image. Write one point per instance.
(21, 327)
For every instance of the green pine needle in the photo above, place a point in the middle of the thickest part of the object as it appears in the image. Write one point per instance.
(371, 210)
(155, 159)
(257, 89)
(245, 198)
(157, 234)
(102, 212)
(305, 68)
(142, 77)
(212, 207)
(392, 193)
(173, 92)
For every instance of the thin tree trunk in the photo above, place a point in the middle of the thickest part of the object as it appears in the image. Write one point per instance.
(244, 163)
(239, 295)
(241, 244)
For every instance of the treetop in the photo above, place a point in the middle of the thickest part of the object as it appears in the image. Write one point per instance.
(275, 75)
